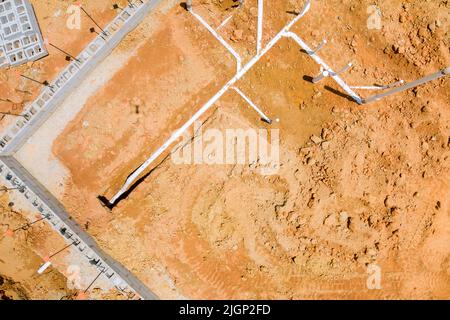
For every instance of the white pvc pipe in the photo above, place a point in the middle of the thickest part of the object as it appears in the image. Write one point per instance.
(395, 84)
(331, 73)
(218, 37)
(392, 85)
(224, 22)
(327, 73)
(260, 26)
(431, 77)
(368, 87)
(177, 134)
(44, 267)
(250, 102)
(320, 46)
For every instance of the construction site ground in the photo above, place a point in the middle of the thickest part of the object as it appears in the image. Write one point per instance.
(357, 185)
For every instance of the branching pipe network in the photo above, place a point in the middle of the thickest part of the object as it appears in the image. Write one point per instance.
(329, 71)
(219, 38)
(285, 32)
(178, 133)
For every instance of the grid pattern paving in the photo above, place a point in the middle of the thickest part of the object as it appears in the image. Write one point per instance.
(13, 174)
(20, 38)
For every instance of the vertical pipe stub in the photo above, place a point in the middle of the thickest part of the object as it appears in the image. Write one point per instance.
(188, 5)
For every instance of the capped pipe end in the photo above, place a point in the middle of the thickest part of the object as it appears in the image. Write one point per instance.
(266, 120)
(106, 203)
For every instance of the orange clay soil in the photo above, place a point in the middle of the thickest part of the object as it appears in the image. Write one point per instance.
(150, 97)
(23, 252)
(19, 260)
(357, 185)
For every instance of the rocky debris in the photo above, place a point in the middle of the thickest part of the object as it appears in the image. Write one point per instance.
(237, 35)
(315, 139)
(344, 219)
(326, 134)
(325, 145)
(317, 94)
(311, 200)
(398, 49)
(330, 220)
(10, 290)
(425, 109)
(432, 27)
(297, 260)
(416, 39)
(335, 220)
(403, 17)
(310, 161)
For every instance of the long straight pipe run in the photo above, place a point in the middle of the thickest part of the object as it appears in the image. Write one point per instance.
(431, 77)
(260, 26)
(178, 133)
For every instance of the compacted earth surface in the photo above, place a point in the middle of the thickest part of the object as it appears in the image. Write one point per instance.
(358, 206)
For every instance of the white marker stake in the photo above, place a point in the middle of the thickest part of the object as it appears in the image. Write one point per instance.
(44, 267)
